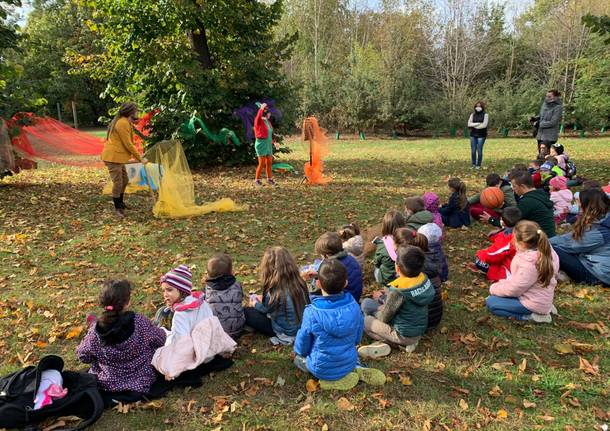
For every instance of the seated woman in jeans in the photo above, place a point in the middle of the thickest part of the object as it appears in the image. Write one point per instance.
(584, 254)
(477, 122)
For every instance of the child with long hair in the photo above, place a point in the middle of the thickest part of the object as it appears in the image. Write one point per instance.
(353, 243)
(385, 254)
(416, 214)
(455, 213)
(528, 293)
(120, 345)
(279, 311)
(584, 254)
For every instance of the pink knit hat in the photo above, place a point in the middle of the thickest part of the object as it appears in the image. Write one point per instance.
(180, 278)
(560, 183)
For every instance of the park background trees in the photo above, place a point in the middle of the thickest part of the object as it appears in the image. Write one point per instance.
(408, 67)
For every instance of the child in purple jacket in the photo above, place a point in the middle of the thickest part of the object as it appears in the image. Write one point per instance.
(120, 344)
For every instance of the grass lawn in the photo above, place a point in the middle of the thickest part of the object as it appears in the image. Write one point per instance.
(59, 239)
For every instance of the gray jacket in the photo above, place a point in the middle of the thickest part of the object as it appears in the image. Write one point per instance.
(225, 296)
(550, 121)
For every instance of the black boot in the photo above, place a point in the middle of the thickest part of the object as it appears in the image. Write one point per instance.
(122, 202)
(118, 207)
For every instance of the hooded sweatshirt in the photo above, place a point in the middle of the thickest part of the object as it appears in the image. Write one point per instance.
(592, 249)
(406, 307)
(332, 327)
(432, 204)
(225, 296)
(536, 206)
(523, 283)
(417, 220)
(187, 314)
(120, 355)
(355, 247)
(562, 200)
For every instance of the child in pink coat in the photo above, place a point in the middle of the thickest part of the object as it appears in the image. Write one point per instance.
(561, 196)
(528, 293)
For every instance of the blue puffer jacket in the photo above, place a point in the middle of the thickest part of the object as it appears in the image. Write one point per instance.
(592, 250)
(331, 328)
(354, 274)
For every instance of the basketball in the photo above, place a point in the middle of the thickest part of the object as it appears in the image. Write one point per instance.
(492, 197)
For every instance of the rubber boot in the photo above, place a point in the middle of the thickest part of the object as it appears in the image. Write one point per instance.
(123, 206)
(118, 208)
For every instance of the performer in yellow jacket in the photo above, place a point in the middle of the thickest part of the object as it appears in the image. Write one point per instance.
(118, 150)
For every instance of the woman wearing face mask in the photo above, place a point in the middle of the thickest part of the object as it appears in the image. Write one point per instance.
(550, 119)
(118, 150)
(263, 132)
(477, 122)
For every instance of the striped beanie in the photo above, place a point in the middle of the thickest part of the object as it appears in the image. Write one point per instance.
(180, 278)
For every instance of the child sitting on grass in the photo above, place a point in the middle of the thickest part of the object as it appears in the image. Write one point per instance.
(432, 203)
(120, 345)
(224, 294)
(416, 214)
(495, 260)
(455, 213)
(403, 318)
(332, 327)
(278, 312)
(434, 235)
(562, 197)
(534, 171)
(492, 180)
(528, 293)
(329, 246)
(385, 254)
(353, 242)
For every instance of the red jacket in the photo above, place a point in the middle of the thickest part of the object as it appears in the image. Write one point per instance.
(499, 255)
(260, 128)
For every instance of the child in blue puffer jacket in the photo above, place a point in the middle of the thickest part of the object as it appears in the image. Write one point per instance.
(332, 326)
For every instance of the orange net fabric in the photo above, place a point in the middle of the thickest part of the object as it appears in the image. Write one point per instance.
(44, 138)
(318, 148)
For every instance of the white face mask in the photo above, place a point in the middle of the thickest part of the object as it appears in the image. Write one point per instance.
(478, 109)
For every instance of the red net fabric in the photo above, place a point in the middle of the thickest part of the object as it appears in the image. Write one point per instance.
(44, 138)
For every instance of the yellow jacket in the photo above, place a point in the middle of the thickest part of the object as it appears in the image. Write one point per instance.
(119, 147)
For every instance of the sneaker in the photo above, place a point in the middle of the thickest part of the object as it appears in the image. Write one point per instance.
(258, 183)
(374, 351)
(562, 277)
(343, 384)
(541, 318)
(371, 376)
(119, 212)
(411, 347)
(271, 182)
(478, 168)
(554, 310)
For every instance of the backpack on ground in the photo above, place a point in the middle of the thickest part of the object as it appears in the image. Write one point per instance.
(17, 392)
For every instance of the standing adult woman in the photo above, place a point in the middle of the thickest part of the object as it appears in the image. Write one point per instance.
(477, 122)
(584, 254)
(549, 121)
(118, 150)
(263, 132)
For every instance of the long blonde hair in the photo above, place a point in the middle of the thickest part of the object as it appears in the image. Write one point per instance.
(595, 205)
(532, 237)
(280, 277)
(126, 110)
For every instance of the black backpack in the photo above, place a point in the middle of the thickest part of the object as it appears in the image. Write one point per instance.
(17, 392)
(570, 169)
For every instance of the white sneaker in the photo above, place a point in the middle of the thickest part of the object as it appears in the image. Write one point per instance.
(562, 277)
(554, 310)
(541, 318)
(411, 347)
(374, 351)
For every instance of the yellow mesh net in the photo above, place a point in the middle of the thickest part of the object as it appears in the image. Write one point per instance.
(176, 193)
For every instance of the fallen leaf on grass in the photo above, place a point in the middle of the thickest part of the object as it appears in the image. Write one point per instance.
(312, 385)
(502, 414)
(523, 365)
(280, 381)
(495, 391)
(344, 404)
(563, 348)
(547, 418)
(463, 404)
(587, 367)
(406, 381)
(596, 326)
(74, 332)
(305, 408)
(529, 404)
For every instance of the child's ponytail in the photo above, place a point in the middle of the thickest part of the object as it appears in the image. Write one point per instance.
(459, 187)
(529, 234)
(404, 236)
(114, 298)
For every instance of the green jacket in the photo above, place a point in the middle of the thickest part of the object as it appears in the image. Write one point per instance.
(419, 219)
(536, 206)
(406, 306)
(383, 261)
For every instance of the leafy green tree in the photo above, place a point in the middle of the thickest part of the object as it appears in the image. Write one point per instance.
(190, 57)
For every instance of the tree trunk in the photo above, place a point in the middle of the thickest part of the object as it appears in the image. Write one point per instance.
(199, 43)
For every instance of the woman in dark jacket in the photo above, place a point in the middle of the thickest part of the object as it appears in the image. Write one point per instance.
(549, 121)
(477, 122)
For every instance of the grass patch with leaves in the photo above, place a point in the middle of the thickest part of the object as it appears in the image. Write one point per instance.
(59, 240)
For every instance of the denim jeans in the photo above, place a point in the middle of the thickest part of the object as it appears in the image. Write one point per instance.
(476, 150)
(369, 306)
(570, 264)
(506, 307)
